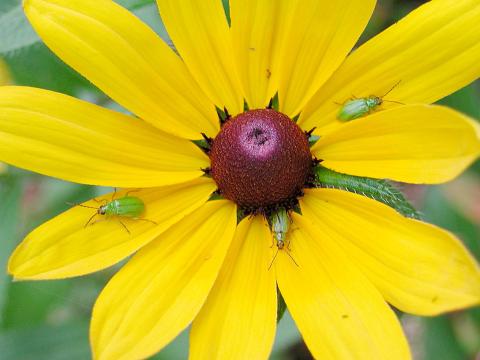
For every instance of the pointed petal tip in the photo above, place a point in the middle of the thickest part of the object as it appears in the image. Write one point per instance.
(15, 271)
(419, 268)
(419, 144)
(384, 60)
(59, 126)
(58, 248)
(337, 309)
(191, 254)
(110, 39)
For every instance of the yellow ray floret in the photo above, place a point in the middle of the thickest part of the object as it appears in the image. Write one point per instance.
(60, 136)
(161, 289)
(239, 318)
(127, 61)
(418, 267)
(200, 32)
(433, 52)
(87, 249)
(414, 144)
(338, 311)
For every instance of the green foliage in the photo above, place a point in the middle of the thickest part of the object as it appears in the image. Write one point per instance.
(69, 341)
(18, 34)
(16, 31)
(281, 306)
(21, 311)
(226, 6)
(439, 210)
(37, 66)
(33, 64)
(380, 190)
(10, 195)
(440, 341)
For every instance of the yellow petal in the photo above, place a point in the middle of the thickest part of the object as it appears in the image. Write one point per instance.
(414, 143)
(159, 292)
(257, 30)
(64, 247)
(432, 52)
(126, 60)
(337, 310)
(419, 268)
(200, 32)
(316, 38)
(60, 136)
(239, 317)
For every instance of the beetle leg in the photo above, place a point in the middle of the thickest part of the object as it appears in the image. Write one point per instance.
(273, 260)
(142, 219)
(291, 257)
(131, 191)
(125, 226)
(89, 220)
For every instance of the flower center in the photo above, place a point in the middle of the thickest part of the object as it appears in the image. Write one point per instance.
(260, 158)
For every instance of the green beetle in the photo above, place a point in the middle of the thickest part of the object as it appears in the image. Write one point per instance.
(128, 206)
(356, 108)
(280, 225)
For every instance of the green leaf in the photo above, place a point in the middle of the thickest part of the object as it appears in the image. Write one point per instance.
(440, 341)
(177, 349)
(16, 31)
(226, 6)
(6, 5)
(10, 195)
(465, 100)
(46, 343)
(21, 311)
(18, 34)
(47, 201)
(135, 4)
(287, 336)
(54, 196)
(25, 53)
(439, 211)
(37, 66)
(380, 190)
(281, 306)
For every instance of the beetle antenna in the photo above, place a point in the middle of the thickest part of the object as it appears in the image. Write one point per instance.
(393, 87)
(85, 206)
(114, 193)
(273, 260)
(396, 102)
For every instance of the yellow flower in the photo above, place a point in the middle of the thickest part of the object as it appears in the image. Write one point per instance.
(196, 264)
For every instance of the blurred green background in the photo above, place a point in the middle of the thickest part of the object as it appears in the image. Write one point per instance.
(49, 320)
